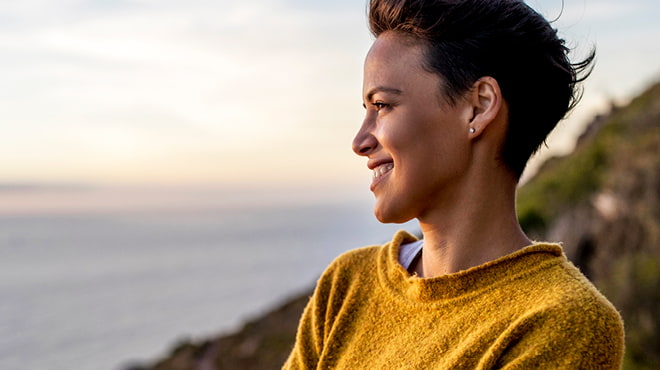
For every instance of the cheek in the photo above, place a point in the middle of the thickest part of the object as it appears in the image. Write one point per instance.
(439, 154)
(397, 135)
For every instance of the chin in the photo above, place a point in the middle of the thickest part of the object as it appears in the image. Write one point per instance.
(390, 215)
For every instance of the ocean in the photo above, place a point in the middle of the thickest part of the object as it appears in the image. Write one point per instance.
(105, 279)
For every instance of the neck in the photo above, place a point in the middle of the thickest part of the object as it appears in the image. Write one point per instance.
(471, 226)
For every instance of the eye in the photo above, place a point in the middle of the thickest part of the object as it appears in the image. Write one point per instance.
(379, 105)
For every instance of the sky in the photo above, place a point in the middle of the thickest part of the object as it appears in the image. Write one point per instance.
(258, 92)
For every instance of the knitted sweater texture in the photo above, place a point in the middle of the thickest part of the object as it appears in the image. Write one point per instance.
(529, 310)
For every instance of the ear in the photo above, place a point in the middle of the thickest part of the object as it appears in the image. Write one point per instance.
(486, 101)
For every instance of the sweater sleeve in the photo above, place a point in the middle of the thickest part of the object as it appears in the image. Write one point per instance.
(570, 336)
(306, 350)
(311, 329)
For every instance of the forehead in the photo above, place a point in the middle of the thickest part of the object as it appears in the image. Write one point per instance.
(394, 50)
(396, 61)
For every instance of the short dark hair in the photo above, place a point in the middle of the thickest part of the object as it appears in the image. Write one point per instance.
(504, 39)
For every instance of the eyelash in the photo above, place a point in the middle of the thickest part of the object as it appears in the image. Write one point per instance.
(378, 105)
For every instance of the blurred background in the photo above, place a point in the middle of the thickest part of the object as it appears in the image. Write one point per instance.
(170, 169)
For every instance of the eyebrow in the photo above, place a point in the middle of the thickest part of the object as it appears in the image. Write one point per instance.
(385, 89)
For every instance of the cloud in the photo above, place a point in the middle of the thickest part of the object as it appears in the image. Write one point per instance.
(109, 88)
(156, 83)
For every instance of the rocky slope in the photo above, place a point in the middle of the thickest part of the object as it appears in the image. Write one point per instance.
(603, 201)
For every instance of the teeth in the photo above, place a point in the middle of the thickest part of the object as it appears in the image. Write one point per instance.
(382, 169)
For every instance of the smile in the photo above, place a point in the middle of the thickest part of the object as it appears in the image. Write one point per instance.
(382, 169)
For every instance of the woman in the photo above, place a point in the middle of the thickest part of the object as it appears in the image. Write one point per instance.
(458, 95)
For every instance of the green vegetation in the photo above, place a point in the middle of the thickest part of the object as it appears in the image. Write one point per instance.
(564, 182)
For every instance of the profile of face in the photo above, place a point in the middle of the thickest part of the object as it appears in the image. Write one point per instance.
(416, 143)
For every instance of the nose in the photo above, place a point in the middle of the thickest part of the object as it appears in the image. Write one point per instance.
(364, 142)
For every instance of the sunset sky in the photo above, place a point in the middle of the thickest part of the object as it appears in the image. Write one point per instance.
(226, 92)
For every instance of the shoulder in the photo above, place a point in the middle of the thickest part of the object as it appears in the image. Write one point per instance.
(358, 270)
(579, 301)
(559, 287)
(567, 287)
(351, 263)
(566, 322)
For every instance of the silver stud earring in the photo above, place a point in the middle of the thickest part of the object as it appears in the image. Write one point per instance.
(472, 130)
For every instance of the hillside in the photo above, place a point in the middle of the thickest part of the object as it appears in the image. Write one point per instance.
(602, 201)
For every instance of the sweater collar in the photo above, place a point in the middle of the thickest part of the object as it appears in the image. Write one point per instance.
(471, 281)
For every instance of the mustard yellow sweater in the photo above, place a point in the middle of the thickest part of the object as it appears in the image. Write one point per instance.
(529, 310)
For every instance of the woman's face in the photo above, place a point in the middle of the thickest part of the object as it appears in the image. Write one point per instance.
(417, 144)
